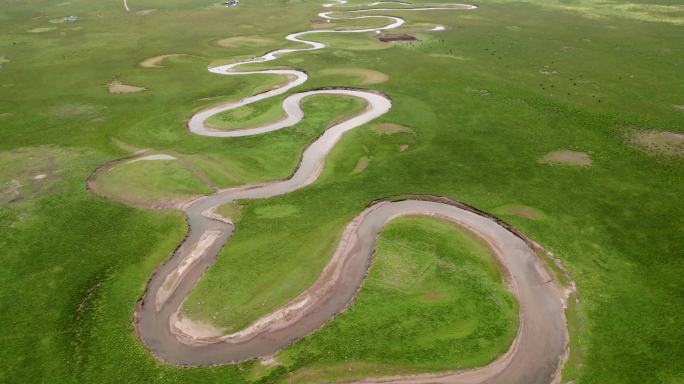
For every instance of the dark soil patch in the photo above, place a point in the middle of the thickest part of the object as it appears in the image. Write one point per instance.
(403, 37)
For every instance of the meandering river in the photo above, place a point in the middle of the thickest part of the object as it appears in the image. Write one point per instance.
(539, 347)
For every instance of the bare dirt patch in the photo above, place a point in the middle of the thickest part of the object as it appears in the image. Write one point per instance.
(678, 106)
(118, 87)
(368, 76)
(361, 165)
(659, 142)
(567, 157)
(391, 128)
(10, 192)
(3, 60)
(173, 279)
(403, 147)
(30, 171)
(241, 41)
(185, 325)
(155, 61)
(268, 361)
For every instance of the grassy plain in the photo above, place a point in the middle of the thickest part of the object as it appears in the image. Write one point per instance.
(434, 290)
(503, 86)
(247, 116)
(155, 183)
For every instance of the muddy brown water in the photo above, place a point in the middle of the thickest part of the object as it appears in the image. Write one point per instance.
(535, 355)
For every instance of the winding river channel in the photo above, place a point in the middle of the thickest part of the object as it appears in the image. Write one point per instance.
(535, 356)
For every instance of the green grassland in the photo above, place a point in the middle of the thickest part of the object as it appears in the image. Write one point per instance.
(434, 290)
(485, 99)
(247, 116)
(145, 183)
(151, 183)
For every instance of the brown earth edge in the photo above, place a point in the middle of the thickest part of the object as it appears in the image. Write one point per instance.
(505, 357)
(90, 180)
(531, 243)
(567, 289)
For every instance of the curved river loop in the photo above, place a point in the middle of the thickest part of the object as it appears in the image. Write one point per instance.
(539, 348)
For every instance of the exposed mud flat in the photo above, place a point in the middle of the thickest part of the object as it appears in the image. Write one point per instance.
(172, 280)
(575, 158)
(664, 143)
(118, 87)
(186, 326)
